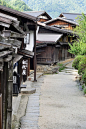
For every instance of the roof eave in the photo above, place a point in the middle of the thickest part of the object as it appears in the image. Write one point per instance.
(17, 13)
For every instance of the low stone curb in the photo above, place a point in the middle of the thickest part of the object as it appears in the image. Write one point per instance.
(67, 63)
(28, 91)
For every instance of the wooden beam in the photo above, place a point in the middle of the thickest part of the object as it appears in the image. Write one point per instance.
(8, 17)
(30, 23)
(18, 28)
(8, 58)
(16, 35)
(5, 24)
(5, 20)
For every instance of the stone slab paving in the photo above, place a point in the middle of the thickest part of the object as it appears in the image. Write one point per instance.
(30, 120)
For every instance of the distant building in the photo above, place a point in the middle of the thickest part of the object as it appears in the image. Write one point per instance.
(42, 16)
(62, 23)
(52, 44)
(70, 16)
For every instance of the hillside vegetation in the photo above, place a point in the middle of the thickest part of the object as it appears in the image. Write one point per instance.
(55, 7)
(2, 2)
(15, 4)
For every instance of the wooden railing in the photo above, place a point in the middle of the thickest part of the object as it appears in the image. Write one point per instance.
(0, 111)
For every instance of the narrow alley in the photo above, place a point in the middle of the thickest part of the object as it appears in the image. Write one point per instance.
(57, 104)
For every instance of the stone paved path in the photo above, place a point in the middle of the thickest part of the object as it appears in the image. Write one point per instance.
(57, 104)
(62, 104)
(30, 120)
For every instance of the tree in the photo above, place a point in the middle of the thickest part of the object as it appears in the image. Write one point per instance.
(79, 46)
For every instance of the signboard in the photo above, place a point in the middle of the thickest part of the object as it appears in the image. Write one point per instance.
(24, 67)
(14, 79)
(26, 39)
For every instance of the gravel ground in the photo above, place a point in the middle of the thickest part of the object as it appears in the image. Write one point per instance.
(62, 104)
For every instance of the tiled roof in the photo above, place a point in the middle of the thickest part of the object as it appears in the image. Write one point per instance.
(37, 13)
(62, 19)
(70, 16)
(17, 13)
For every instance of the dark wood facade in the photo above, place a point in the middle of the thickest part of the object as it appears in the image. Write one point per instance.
(52, 54)
(62, 23)
(56, 51)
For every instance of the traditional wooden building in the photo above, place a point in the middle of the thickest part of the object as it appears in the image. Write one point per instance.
(26, 24)
(18, 47)
(6, 83)
(52, 44)
(70, 16)
(42, 16)
(62, 23)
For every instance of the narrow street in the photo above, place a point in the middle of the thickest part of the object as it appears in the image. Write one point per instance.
(57, 104)
(62, 104)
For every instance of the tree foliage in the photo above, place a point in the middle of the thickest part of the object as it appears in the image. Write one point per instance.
(2, 2)
(19, 5)
(79, 46)
(15, 4)
(56, 7)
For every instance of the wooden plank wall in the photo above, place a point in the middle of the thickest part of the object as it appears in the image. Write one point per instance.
(61, 23)
(53, 54)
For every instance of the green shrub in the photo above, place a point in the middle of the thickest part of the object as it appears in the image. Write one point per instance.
(60, 64)
(83, 86)
(76, 61)
(61, 67)
(84, 76)
(84, 90)
(82, 65)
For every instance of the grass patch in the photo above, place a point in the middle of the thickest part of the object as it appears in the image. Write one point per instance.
(61, 67)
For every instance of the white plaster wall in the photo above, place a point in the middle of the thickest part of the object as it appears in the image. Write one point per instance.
(31, 44)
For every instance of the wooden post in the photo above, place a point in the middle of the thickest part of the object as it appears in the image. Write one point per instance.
(28, 66)
(3, 84)
(0, 111)
(2, 94)
(35, 54)
(5, 95)
(9, 98)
